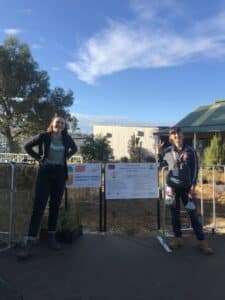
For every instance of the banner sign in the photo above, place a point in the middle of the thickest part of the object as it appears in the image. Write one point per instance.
(131, 180)
(84, 175)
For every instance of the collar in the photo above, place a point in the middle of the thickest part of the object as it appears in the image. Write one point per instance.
(177, 149)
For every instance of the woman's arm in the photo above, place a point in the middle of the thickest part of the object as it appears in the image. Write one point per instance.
(73, 148)
(36, 141)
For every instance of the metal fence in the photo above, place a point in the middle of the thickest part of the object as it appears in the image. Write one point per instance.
(8, 232)
(209, 175)
(25, 158)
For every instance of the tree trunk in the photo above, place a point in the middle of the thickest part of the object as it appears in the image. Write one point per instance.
(13, 145)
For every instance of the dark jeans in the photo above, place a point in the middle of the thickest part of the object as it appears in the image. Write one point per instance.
(175, 213)
(51, 181)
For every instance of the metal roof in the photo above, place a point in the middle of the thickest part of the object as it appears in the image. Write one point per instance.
(206, 118)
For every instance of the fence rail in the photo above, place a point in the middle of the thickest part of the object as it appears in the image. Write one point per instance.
(25, 158)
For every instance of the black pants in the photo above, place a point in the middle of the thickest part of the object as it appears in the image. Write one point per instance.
(51, 181)
(175, 213)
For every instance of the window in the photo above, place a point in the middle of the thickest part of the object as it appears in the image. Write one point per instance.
(140, 133)
(108, 135)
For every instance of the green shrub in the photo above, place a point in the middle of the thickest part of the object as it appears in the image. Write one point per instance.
(215, 153)
(69, 219)
(96, 148)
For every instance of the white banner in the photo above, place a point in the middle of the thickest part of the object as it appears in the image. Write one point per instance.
(84, 175)
(131, 180)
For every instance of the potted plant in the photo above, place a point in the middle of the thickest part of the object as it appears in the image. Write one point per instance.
(69, 225)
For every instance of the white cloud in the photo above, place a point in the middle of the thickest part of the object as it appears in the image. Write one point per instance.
(123, 46)
(147, 10)
(12, 31)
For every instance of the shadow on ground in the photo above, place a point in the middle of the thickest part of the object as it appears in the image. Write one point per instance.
(105, 267)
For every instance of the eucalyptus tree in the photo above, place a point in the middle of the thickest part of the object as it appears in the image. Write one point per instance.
(26, 101)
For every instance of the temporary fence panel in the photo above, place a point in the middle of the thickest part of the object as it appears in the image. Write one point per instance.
(16, 180)
(213, 176)
(131, 180)
(86, 175)
(8, 232)
(165, 232)
(25, 158)
(126, 181)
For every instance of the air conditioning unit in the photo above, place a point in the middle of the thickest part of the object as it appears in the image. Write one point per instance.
(139, 133)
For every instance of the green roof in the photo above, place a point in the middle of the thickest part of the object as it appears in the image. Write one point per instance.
(207, 118)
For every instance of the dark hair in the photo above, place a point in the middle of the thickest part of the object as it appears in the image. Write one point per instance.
(174, 130)
(50, 126)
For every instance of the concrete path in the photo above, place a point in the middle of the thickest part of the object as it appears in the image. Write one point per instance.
(104, 267)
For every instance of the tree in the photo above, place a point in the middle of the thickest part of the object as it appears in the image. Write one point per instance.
(27, 103)
(96, 149)
(73, 124)
(135, 149)
(137, 152)
(215, 152)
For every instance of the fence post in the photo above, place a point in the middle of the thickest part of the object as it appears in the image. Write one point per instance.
(214, 200)
(202, 208)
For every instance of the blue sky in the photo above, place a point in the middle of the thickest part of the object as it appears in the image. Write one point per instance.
(127, 61)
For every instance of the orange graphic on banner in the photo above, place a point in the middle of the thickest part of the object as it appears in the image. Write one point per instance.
(80, 168)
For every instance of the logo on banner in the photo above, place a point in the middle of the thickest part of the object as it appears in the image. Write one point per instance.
(80, 168)
(111, 167)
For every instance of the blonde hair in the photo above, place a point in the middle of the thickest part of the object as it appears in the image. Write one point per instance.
(50, 126)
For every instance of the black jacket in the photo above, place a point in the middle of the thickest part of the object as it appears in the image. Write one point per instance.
(43, 141)
(182, 165)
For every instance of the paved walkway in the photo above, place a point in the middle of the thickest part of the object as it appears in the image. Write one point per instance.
(104, 267)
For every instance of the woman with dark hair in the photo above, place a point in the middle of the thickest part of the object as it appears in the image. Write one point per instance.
(54, 148)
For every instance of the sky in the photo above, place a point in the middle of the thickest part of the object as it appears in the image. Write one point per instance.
(136, 62)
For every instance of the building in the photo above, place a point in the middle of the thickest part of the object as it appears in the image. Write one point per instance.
(120, 136)
(207, 120)
(202, 124)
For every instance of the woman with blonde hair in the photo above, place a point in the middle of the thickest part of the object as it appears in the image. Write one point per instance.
(54, 148)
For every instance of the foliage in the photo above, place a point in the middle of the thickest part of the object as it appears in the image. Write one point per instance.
(150, 158)
(73, 124)
(137, 152)
(135, 149)
(124, 159)
(27, 103)
(69, 219)
(215, 152)
(96, 149)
